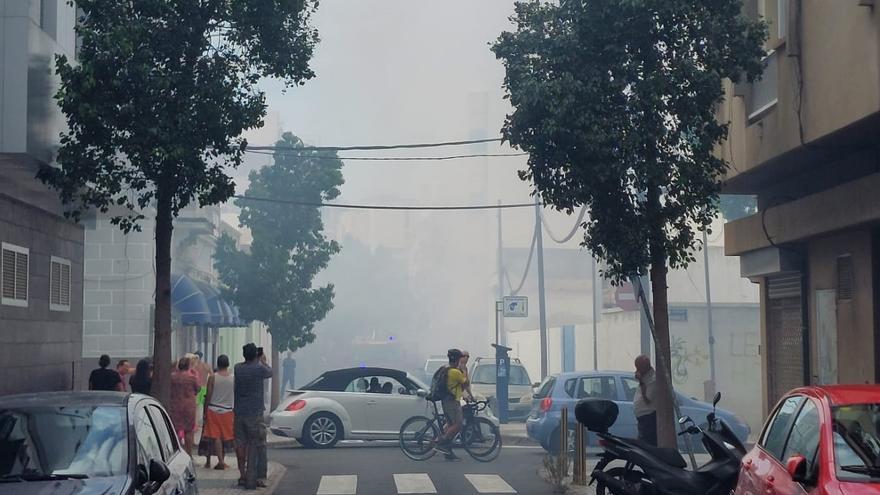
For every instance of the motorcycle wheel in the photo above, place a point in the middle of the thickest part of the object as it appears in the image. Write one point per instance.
(632, 480)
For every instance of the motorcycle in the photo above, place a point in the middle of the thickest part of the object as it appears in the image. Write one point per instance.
(649, 470)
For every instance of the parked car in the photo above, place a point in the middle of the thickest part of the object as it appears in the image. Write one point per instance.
(90, 443)
(564, 390)
(519, 391)
(432, 364)
(339, 405)
(818, 440)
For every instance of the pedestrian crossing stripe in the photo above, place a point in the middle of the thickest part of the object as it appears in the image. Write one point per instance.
(489, 483)
(414, 483)
(338, 485)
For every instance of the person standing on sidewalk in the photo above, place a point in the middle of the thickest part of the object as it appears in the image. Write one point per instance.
(288, 367)
(184, 387)
(219, 417)
(250, 423)
(105, 379)
(142, 380)
(644, 407)
(124, 369)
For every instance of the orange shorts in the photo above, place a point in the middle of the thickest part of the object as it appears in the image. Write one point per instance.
(219, 425)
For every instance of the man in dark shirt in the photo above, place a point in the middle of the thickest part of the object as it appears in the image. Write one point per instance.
(104, 379)
(250, 423)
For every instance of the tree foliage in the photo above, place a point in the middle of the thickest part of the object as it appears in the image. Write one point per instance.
(272, 282)
(615, 102)
(614, 98)
(155, 103)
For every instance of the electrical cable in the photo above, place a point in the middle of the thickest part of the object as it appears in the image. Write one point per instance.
(294, 152)
(378, 147)
(525, 275)
(384, 207)
(573, 229)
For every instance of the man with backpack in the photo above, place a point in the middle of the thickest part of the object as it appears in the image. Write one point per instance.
(449, 394)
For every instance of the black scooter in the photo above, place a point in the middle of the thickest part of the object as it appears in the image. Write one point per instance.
(649, 470)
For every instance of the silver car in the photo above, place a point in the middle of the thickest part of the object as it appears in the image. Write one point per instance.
(519, 394)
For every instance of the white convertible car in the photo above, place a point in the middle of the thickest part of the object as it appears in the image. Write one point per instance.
(352, 404)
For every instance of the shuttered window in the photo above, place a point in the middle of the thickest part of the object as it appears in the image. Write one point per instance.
(59, 284)
(845, 278)
(14, 275)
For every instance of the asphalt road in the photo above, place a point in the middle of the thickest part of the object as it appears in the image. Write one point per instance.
(384, 470)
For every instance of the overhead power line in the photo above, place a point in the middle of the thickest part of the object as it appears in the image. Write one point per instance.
(525, 274)
(378, 147)
(295, 152)
(384, 207)
(573, 229)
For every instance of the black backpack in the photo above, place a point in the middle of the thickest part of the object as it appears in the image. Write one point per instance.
(439, 390)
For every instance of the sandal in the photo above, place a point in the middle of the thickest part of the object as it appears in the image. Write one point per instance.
(221, 467)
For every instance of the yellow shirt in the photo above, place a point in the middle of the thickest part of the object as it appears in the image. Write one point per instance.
(455, 382)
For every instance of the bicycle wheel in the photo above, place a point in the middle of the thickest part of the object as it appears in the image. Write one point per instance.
(417, 438)
(482, 439)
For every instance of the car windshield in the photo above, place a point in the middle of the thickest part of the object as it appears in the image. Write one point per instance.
(432, 366)
(485, 374)
(63, 441)
(857, 441)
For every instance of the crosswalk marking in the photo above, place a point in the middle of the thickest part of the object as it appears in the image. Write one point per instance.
(338, 485)
(489, 483)
(414, 483)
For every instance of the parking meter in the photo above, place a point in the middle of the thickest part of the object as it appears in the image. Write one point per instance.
(502, 379)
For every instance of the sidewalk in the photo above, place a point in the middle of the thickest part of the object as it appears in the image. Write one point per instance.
(213, 482)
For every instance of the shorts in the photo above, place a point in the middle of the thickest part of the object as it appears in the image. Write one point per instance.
(250, 431)
(452, 410)
(219, 425)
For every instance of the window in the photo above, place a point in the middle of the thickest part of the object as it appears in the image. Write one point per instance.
(857, 442)
(59, 284)
(148, 443)
(546, 388)
(167, 438)
(385, 384)
(597, 388)
(570, 387)
(630, 385)
(764, 94)
(678, 314)
(14, 275)
(485, 373)
(804, 438)
(776, 434)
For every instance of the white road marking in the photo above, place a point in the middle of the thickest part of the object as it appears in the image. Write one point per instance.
(489, 483)
(338, 485)
(414, 483)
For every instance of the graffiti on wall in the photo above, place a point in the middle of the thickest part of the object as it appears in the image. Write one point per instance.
(684, 357)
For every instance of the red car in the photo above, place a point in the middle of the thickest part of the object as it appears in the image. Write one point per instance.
(818, 441)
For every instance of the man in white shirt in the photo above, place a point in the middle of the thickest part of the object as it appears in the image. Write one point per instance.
(644, 405)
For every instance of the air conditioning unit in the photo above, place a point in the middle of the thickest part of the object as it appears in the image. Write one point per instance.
(866, 3)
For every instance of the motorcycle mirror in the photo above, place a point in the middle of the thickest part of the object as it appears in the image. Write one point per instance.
(684, 419)
(717, 399)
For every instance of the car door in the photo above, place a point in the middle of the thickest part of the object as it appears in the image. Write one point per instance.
(387, 412)
(149, 449)
(354, 400)
(761, 468)
(176, 460)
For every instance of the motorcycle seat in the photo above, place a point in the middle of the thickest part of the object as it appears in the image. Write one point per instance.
(669, 456)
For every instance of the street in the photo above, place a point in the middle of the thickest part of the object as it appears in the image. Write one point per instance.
(369, 470)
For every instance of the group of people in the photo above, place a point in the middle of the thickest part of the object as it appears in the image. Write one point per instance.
(233, 405)
(373, 387)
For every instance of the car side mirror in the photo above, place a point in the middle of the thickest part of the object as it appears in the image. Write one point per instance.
(797, 468)
(536, 385)
(422, 393)
(142, 478)
(159, 473)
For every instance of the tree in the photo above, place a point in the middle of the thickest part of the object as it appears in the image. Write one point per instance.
(615, 102)
(273, 282)
(155, 105)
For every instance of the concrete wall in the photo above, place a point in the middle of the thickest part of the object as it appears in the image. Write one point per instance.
(855, 319)
(41, 350)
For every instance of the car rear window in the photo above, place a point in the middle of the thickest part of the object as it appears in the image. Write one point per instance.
(485, 374)
(546, 387)
(73, 441)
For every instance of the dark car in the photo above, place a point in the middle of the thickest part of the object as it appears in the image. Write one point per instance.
(81, 443)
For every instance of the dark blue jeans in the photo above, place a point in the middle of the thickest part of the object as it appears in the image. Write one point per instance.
(648, 428)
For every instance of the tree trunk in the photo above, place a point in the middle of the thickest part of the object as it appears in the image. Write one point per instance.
(276, 376)
(666, 433)
(161, 387)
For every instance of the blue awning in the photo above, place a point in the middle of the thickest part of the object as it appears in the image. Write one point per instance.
(200, 304)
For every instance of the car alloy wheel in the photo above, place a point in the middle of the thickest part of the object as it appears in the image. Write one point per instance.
(323, 431)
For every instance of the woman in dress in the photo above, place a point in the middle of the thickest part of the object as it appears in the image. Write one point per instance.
(142, 380)
(184, 387)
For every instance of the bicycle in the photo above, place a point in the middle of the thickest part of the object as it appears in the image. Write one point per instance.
(479, 437)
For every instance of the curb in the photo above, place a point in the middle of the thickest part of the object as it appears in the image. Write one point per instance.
(269, 490)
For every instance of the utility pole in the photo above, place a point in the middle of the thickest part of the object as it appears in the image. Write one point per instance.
(710, 390)
(502, 336)
(542, 311)
(595, 315)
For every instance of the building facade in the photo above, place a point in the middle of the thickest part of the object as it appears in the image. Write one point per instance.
(803, 140)
(41, 253)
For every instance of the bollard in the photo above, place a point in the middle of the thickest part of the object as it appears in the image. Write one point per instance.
(580, 457)
(563, 443)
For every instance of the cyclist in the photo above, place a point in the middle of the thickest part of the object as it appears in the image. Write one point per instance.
(456, 382)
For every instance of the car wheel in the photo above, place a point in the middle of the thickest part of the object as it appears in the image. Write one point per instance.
(322, 431)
